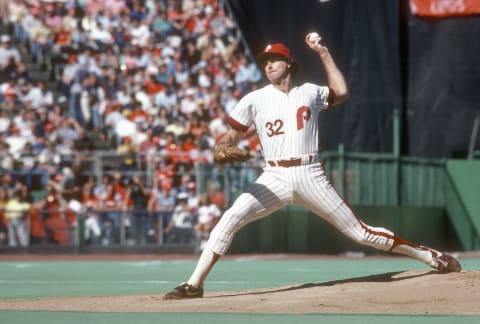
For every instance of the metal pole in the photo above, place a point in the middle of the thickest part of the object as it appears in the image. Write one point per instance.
(81, 232)
(473, 136)
(396, 156)
(341, 170)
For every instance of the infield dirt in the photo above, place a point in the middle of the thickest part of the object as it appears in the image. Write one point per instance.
(410, 292)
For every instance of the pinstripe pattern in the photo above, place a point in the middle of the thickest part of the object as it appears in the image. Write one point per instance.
(306, 186)
(287, 126)
(277, 117)
(269, 193)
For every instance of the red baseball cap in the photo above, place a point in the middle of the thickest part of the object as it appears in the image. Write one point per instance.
(277, 49)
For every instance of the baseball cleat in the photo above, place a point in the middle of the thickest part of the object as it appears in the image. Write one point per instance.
(444, 263)
(184, 291)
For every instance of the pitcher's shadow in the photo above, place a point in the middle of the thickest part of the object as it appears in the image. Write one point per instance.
(383, 277)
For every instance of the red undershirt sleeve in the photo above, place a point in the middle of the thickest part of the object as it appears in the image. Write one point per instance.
(331, 96)
(236, 125)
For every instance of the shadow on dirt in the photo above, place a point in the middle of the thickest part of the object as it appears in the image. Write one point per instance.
(384, 277)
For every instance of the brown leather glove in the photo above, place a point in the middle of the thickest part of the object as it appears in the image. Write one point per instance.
(228, 153)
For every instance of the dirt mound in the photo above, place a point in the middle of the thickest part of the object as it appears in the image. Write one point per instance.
(411, 292)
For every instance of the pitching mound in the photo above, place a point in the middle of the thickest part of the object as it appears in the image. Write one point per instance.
(411, 292)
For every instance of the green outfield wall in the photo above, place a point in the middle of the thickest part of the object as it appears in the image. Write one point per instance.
(462, 200)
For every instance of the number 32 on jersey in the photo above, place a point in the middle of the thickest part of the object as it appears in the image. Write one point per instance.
(276, 127)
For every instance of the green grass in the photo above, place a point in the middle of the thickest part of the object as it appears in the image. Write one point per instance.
(95, 278)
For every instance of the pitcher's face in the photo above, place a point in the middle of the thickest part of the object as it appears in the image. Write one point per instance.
(276, 69)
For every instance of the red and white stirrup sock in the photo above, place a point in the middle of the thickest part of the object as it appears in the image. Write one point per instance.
(416, 252)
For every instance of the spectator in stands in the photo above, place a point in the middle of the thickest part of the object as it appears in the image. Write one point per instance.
(48, 158)
(28, 94)
(24, 123)
(100, 189)
(163, 76)
(22, 72)
(12, 12)
(56, 116)
(69, 20)
(120, 187)
(137, 11)
(17, 215)
(3, 221)
(15, 141)
(7, 160)
(67, 184)
(197, 126)
(160, 121)
(114, 8)
(111, 207)
(57, 223)
(113, 116)
(188, 105)
(230, 98)
(184, 183)
(201, 153)
(193, 198)
(190, 54)
(247, 74)
(42, 97)
(180, 227)
(8, 89)
(208, 216)
(9, 184)
(88, 21)
(199, 22)
(25, 193)
(69, 130)
(216, 195)
(126, 151)
(138, 195)
(82, 144)
(218, 125)
(161, 27)
(9, 56)
(41, 37)
(161, 201)
(53, 17)
(93, 230)
(152, 86)
(222, 26)
(90, 204)
(140, 32)
(175, 127)
(102, 37)
(176, 16)
(27, 162)
(40, 128)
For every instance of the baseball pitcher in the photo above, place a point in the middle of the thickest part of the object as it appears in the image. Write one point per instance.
(285, 117)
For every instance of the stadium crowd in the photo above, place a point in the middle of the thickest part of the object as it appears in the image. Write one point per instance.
(154, 80)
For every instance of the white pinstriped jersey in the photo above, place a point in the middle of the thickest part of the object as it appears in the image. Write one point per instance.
(287, 124)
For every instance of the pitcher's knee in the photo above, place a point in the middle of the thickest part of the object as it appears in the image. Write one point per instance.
(223, 233)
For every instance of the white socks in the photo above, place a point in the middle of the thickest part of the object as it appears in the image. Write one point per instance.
(423, 255)
(205, 263)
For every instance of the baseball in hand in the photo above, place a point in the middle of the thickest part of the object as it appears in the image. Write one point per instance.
(313, 37)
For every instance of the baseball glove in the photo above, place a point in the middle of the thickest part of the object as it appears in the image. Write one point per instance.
(228, 153)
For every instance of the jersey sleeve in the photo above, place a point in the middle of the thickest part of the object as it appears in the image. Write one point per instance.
(323, 96)
(241, 117)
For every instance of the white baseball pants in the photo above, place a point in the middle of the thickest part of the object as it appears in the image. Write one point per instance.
(305, 185)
